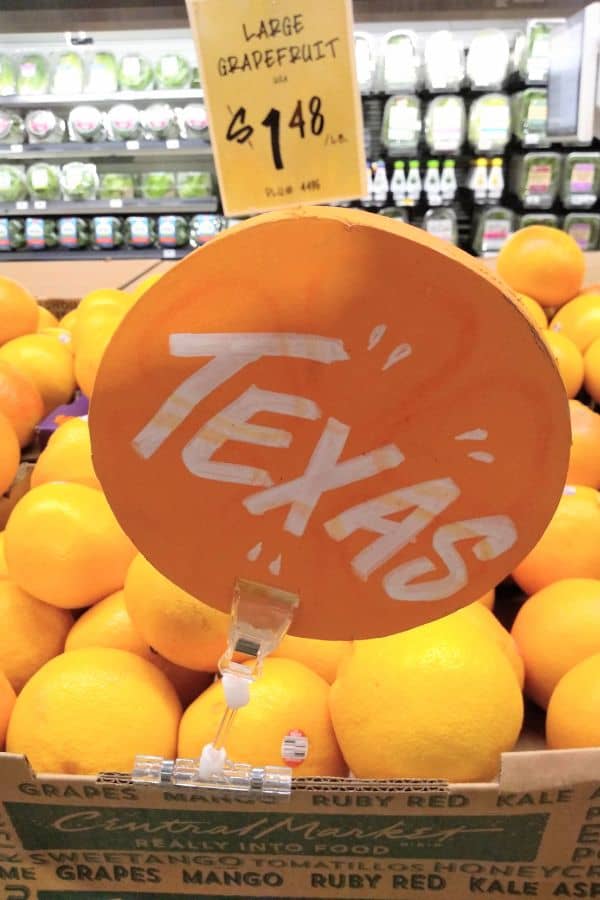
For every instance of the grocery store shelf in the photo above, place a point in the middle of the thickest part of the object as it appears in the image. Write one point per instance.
(106, 149)
(108, 207)
(43, 101)
(123, 253)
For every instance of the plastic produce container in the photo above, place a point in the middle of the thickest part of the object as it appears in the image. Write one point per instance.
(445, 124)
(69, 74)
(441, 223)
(203, 228)
(584, 228)
(135, 73)
(157, 185)
(535, 179)
(402, 125)
(40, 234)
(13, 184)
(73, 233)
(444, 66)
(43, 181)
(139, 231)
(172, 231)
(86, 123)
(8, 76)
(33, 75)
(494, 227)
(124, 122)
(106, 232)
(43, 126)
(79, 181)
(581, 180)
(12, 234)
(488, 59)
(535, 59)
(548, 219)
(193, 121)
(172, 71)
(194, 185)
(489, 124)
(103, 74)
(159, 122)
(116, 186)
(366, 61)
(12, 127)
(530, 117)
(400, 62)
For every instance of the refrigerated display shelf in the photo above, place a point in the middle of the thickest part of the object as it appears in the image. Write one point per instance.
(106, 149)
(58, 255)
(41, 101)
(108, 207)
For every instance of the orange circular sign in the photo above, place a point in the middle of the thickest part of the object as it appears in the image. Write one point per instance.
(338, 405)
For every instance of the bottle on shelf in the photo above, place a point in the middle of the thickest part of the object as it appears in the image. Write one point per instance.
(367, 198)
(381, 185)
(478, 180)
(431, 184)
(495, 180)
(398, 183)
(448, 185)
(413, 181)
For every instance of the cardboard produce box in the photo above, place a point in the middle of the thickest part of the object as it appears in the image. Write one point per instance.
(534, 834)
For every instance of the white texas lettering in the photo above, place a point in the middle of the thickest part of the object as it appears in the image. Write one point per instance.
(231, 352)
(323, 473)
(498, 534)
(429, 498)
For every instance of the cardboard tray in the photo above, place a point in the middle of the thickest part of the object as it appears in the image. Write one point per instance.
(536, 833)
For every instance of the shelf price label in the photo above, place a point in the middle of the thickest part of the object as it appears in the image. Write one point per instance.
(282, 95)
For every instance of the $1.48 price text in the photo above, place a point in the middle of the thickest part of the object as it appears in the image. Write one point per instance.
(307, 118)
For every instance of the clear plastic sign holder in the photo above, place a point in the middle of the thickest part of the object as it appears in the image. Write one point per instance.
(260, 618)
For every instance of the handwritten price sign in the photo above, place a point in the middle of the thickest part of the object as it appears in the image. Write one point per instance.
(283, 100)
(337, 405)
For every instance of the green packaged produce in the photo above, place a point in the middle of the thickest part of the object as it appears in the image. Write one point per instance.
(489, 123)
(441, 223)
(135, 73)
(12, 128)
(494, 227)
(444, 62)
(8, 76)
(366, 61)
(106, 232)
(69, 74)
(157, 185)
(159, 122)
(33, 75)
(86, 123)
(581, 180)
(401, 128)
(139, 231)
(535, 59)
(73, 233)
(535, 179)
(193, 185)
(393, 212)
(548, 219)
(445, 124)
(203, 228)
(13, 185)
(12, 234)
(116, 186)
(79, 181)
(40, 234)
(401, 64)
(172, 231)
(584, 228)
(103, 74)
(43, 126)
(172, 71)
(488, 59)
(194, 121)
(530, 117)
(43, 181)
(124, 122)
